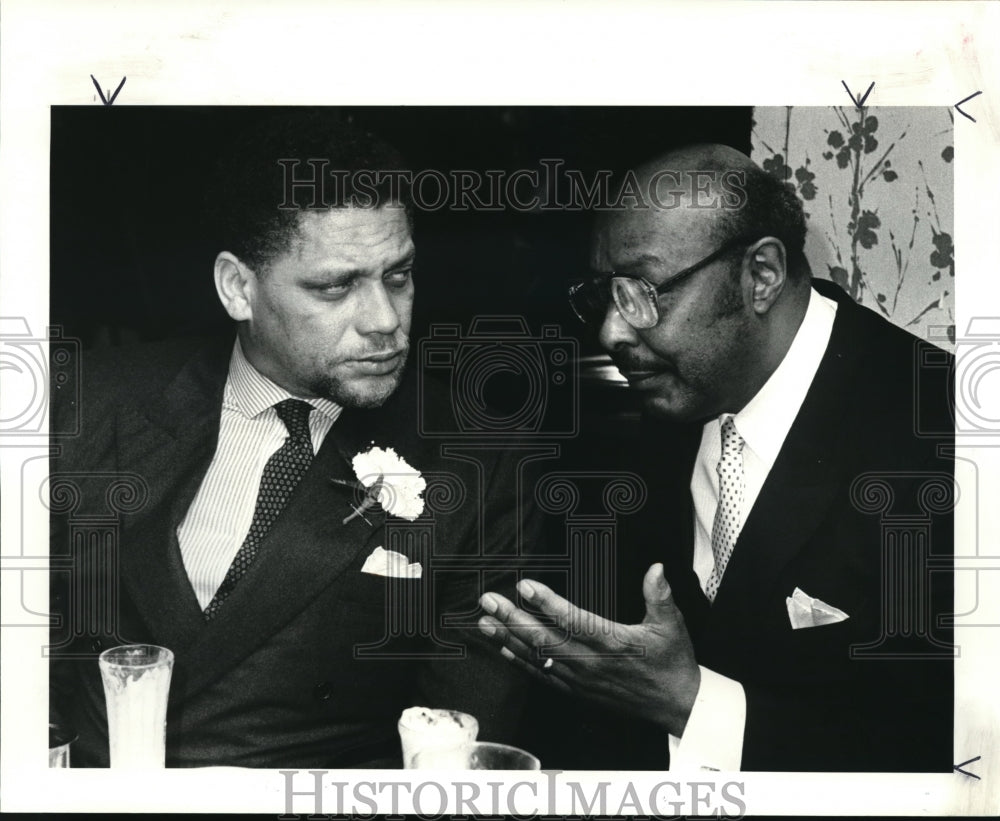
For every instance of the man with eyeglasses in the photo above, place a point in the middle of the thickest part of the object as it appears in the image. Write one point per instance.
(794, 556)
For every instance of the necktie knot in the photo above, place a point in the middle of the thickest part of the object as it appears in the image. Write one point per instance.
(295, 415)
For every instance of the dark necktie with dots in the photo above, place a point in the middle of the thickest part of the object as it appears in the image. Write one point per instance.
(283, 471)
(726, 527)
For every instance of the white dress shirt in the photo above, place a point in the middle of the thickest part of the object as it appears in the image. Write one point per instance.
(713, 737)
(219, 518)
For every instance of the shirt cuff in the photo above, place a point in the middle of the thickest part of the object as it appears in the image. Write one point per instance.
(713, 736)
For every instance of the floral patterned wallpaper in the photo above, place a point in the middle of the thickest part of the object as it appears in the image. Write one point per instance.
(877, 187)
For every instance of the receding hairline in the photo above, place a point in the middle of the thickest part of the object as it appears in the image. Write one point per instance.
(697, 157)
(681, 162)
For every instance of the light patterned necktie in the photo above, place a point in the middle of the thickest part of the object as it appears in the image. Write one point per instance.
(726, 527)
(282, 473)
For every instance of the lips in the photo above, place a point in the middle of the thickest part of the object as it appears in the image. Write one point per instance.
(638, 377)
(646, 375)
(378, 364)
(381, 357)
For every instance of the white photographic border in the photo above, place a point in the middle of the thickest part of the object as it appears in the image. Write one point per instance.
(495, 53)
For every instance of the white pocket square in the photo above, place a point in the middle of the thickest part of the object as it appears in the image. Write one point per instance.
(805, 611)
(390, 563)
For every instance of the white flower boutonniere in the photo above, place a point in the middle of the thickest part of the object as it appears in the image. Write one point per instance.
(390, 482)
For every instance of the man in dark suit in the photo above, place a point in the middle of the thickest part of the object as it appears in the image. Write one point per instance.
(247, 537)
(800, 515)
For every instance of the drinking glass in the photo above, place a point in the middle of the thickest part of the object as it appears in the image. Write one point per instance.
(59, 740)
(136, 684)
(480, 755)
(421, 728)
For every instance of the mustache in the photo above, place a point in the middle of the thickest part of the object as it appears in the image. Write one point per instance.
(627, 361)
(381, 349)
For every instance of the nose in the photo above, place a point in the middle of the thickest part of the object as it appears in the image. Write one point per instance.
(378, 312)
(615, 331)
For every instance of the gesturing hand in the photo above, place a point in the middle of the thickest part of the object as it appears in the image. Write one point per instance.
(646, 669)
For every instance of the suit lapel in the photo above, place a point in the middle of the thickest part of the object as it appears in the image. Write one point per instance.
(804, 479)
(674, 540)
(169, 441)
(308, 548)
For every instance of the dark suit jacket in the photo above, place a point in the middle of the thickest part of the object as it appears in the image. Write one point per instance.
(309, 662)
(856, 511)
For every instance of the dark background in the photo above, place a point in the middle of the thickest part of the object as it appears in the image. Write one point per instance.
(131, 259)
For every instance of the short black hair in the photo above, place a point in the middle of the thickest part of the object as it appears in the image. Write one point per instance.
(252, 210)
(771, 209)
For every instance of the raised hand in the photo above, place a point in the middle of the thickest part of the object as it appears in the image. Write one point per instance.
(646, 669)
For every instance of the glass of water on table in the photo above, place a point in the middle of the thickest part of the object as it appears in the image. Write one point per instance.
(136, 685)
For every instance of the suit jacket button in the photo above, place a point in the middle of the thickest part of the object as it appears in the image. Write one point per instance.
(323, 691)
(97, 645)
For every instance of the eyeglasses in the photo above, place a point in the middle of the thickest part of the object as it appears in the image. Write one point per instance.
(635, 297)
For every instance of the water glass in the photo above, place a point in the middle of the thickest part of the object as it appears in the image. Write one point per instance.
(136, 685)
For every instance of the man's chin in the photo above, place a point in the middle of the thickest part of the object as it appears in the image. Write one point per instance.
(363, 393)
(659, 393)
(672, 406)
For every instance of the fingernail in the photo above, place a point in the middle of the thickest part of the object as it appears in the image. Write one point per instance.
(488, 627)
(507, 654)
(526, 589)
(489, 604)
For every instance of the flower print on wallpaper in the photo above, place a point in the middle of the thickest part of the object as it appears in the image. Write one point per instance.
(877, 187)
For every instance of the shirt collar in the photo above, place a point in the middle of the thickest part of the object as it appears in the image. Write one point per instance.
(766, 419)
(251, 393)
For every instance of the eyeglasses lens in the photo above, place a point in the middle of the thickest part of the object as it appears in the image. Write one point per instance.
(590, 300)
(632, 300)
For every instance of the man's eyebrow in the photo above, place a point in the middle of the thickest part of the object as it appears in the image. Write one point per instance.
(641, 259)
(324, 274)
(354, 272)
(405, 259)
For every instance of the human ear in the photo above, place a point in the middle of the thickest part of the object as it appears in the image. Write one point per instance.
(234, 283)
(768, 273)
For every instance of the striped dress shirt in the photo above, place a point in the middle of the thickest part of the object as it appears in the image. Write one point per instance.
(219, 518)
